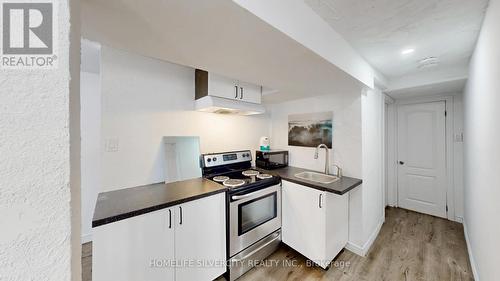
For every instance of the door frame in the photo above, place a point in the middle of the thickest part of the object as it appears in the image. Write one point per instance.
(449, 177)
(386, 144)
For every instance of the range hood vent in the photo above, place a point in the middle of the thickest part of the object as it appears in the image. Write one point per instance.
(227, 106)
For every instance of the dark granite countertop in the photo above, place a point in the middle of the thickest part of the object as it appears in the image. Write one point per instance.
(342, 186)
(125, 203)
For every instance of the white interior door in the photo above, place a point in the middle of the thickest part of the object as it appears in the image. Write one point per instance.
(422, 158)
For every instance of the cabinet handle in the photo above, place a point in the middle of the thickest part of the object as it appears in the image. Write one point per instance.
(320, 196)
(180, 221)
(236, 92)
(169, 218)
(241, 97)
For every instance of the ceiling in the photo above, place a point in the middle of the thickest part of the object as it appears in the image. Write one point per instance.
(451, 86)
(380, 29)
(197, 34)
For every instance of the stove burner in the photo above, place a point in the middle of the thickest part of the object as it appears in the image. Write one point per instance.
(264, 176)
(250, 173)
(220, 178)
(233, 183)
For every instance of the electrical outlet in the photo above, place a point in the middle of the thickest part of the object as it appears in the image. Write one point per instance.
(112, 144)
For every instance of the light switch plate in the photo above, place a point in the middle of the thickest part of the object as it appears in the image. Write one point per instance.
(112, 144)
(459, 137)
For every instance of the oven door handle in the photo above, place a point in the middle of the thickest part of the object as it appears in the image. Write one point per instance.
(238, 197)
(258, 249)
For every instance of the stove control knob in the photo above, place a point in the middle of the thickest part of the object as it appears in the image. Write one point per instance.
(208, 160)
(214, 159)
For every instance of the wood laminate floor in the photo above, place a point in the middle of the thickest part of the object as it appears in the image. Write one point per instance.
(410, 247)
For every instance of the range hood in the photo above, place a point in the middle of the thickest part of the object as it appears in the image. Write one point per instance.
(220, 105)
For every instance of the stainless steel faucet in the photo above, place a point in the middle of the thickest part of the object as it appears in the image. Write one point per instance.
(327, 171)
(339, 171)
(327, 166)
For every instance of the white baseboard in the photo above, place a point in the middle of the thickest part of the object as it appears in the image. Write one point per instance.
(353, 247)
(86, 238)
(471, 257)
(362, 250)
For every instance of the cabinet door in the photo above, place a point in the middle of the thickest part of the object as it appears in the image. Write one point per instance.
(250, 92)
(337, 224)
(138, 248)
(200, 238)
(221, 86)
(303, 224)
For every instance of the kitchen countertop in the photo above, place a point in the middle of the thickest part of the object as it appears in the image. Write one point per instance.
(125, 203)
(342, 186)
(121, 204)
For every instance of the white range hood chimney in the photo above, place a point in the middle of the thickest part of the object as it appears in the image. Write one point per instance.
(220, 105)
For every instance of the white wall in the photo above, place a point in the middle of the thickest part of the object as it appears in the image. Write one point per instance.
(91, 148)
(39, 178)
(372, 105)
(357, 148)
(346, 132)
(482, 150)
(392, 195)
(145, 99)
(90, 93)
(458, 156)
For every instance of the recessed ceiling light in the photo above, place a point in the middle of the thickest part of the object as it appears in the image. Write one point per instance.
(407, 51)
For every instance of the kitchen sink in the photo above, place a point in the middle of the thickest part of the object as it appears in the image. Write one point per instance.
(317, 177)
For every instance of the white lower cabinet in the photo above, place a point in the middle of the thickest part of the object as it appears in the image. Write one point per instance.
(183, 242)
(124, 250)
(201, 238)
(314, 222)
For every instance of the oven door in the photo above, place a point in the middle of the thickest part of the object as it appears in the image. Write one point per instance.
(253, 216)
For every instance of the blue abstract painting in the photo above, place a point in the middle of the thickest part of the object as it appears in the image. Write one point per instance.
(310, 129)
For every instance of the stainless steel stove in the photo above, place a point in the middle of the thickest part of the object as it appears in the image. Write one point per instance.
(254, 208)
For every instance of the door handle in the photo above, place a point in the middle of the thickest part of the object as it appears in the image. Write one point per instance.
(241, 89)
(236, 92)
(319, 203)
(169, 218)
(401, 163)
(180, 221)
